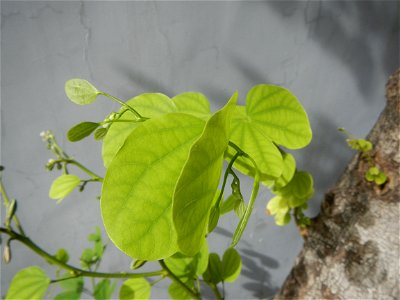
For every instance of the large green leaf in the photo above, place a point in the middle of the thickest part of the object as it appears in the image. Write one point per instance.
(136, 200)
(135, 288)
(192, 103)
(254, 142)
(149, 105)
(277, 113)
(196, 187)
(28, 283)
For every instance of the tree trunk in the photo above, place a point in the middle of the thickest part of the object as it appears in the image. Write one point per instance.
(352, 249)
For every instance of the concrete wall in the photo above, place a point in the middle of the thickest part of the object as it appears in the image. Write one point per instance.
(335, 56)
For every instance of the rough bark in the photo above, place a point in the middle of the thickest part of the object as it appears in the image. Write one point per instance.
(352, 249)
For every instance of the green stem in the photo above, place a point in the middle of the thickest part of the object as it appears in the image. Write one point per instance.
(124, 105)
(216, 291)
(75, 271)
(227, 172)
(6, 204)
(178, 281)
(256, 185)
(84, 169)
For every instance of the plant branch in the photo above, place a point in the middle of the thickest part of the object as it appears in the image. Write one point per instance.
(7, 203)
(216, 291)
(139, 116)
(76, 271)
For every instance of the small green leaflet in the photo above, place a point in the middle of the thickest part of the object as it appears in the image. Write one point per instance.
(136, 202)
(135, 288)
(198, 182)
(104, 289)
(213, 273)
(81, 130)
(28, 283)
(177, 292)
(81, 91)
(63, 185)
(231, 265)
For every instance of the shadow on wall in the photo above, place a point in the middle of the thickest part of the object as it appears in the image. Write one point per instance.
(346, 29)
(326, 156)
(254, 268)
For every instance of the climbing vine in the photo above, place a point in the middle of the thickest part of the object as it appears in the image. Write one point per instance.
(164, 161)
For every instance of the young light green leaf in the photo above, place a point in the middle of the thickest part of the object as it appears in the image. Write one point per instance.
(150, 105)
(104, 289)
(277, 113)
(189, 266)
(135, 288)
(28, 283)
(81, 91)
(231, 265)
(299, 189)
(198, 182)
(100, 133)
(137, 264)
(73, 284)
(282, 219)
(63, 185)
(252, 140)
(81, 130)
(192, 103)
(229, 204)
(214, 272)
(138, 186)
(62, 255)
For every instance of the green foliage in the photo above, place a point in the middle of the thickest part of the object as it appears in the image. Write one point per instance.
(160, 199)
(104, 289)
(199, 180)
(63, 185)
(135, 288)
(28, 283)
(81, 130)
(375, 175)
(81, 91)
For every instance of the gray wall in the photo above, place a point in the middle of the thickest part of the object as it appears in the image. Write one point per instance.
(335, 56)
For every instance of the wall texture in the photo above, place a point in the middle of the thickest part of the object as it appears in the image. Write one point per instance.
(335, 56)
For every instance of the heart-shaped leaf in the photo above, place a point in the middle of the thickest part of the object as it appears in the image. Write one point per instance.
(136, 200)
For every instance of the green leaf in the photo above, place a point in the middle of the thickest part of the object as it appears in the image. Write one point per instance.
(253, 140)
(177, 292)
(214, 272)
(229, 204)
(28, 283)
(189, 266)
(135, 288)
(100, 133)
(277, 205)
(104, 289)
(381, 178)
(69, 295)
(277, 113)
(231, 265)
(192, 103)
(62, 255)
(150, 105)
(63, 185)
(282, 219)
(198, 182)
(138, 186)
(73, 284)
(81, 91)
(289, 168)
(299, 189)
(95, 237)
(214, 217)
(81, 130)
